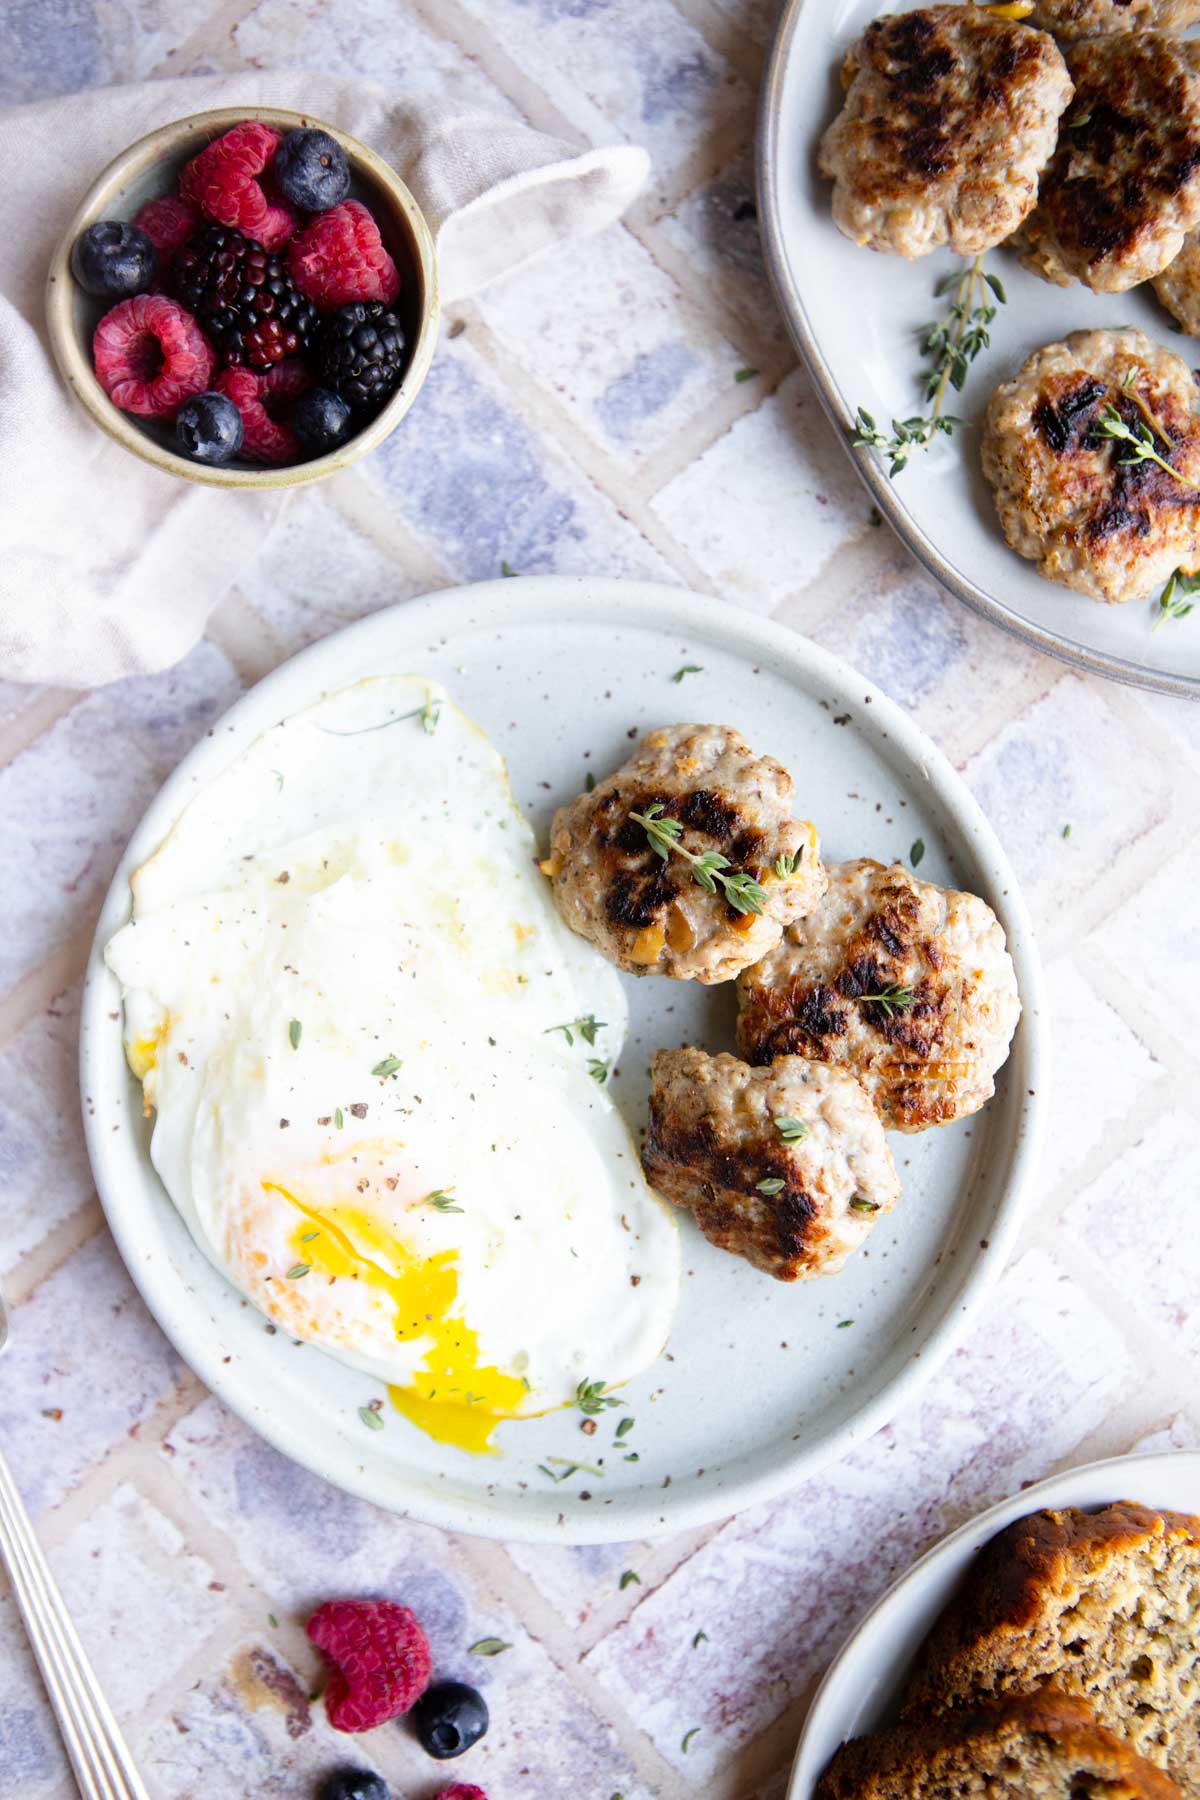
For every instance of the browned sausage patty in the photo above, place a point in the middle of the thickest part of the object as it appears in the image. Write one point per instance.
(787, 1166)
(1123, 189)
(907, 984)
(949, 118)
(1071, 501)
(647, 912)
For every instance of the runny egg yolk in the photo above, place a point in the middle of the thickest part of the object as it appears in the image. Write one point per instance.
(454, 1397)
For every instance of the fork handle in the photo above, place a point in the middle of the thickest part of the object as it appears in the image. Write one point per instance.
(103, 1767)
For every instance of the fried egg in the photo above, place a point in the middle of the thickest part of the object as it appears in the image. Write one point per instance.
(376, 1060)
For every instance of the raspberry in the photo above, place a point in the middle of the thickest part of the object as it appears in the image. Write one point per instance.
(168, 222)
(339, 256)
(257, 398)
(223, 182)
(461, 1790)
(151, 356)
(380, 1656)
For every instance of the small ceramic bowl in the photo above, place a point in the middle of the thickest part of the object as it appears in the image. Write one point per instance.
(151, 167)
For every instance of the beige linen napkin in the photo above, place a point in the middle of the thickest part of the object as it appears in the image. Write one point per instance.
(107, 566)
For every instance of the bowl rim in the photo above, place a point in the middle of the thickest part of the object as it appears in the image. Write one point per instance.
(74, 364)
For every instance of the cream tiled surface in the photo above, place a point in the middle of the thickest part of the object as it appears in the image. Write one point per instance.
(586, 415)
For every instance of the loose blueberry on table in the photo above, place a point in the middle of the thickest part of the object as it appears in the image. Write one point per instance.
(363, 1784)
(448, 1718)
(260, 290)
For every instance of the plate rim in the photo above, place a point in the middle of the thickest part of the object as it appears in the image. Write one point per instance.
(1049, 1490)
(520, 601)
(870, 473)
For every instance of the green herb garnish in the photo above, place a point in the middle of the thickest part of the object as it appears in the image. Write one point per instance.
(597, 1069)
(628, 1579)
(1139, 440)
(442, 1199)
(687, 1738)
(891, 999)
(586, 1027)
(488, 1647)
(388, 1066)
(591, 1398)
(790, 1130)
(701, 1637)
(625, 1427)
(687, 669)
(743, 893)
(917, 854)
(294, 1030)
(858, 1204)
(370, 1418)
(952, 344)
(771, 1184)
(1172, 602)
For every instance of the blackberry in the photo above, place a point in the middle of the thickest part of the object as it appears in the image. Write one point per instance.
(362, 354)
(244, 298)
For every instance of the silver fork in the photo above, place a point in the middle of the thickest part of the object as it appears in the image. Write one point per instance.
(103, 1766)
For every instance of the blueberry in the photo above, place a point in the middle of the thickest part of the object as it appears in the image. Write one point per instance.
(321, 419)
(209, 429)
(113, 260)
(354, 1784)
(449, 1718)
(311, 170)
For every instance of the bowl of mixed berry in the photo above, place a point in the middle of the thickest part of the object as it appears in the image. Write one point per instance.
(246, 297)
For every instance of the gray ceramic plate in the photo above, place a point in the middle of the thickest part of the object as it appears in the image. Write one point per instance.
(561, 673)
(855, 318)
(862, 1683)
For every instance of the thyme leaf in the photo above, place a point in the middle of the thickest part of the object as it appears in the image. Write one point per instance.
(743, 893)
(951, 345)
(891, 1000)
(591, 1398)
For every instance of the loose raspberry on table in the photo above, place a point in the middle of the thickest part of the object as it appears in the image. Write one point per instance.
(462, 1790)
(339, 256)
(380, 1656)
(223, 182)
(259, 397)
(150, 356)
(168, 222)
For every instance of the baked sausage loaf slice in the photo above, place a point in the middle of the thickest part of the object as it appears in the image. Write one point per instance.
(1040, 1747)
(1104, 1606)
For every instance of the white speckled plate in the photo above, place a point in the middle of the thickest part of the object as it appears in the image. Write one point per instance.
(855, 318)
(862, 1684)
(762, 1383)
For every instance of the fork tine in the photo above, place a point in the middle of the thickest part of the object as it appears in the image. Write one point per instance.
(103, 1767)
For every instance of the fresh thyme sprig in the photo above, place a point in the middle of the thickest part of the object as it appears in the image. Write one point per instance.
(587, 1028)
(591, 1398)
(1139, 440)
(429, 714)
(442, 1199)
(597, 1068)
(891, 999)
(743, 893)
(1172, 603)
(951, 344)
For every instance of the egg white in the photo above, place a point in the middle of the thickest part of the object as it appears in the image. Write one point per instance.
(342, 980)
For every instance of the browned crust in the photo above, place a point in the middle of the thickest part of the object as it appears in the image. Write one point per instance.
(1136, 497)
(1136, 150)
(782, 1234)
(884, 1765)
(802, 1018)
(920, 133)
(1005, 1592)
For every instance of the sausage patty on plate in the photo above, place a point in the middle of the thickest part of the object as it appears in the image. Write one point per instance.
(1178, 287)
(1072, 501)
(787, 1166)
(1071, 19)
(906, 984)
(651, 910)
(949, 118)
(1123, 189)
